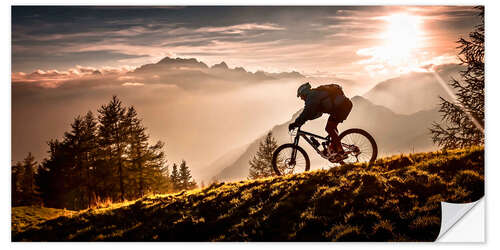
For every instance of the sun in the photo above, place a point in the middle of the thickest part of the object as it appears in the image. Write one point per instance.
(399, 44)
(402, 36)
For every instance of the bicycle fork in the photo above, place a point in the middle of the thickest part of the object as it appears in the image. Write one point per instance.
(294, 150)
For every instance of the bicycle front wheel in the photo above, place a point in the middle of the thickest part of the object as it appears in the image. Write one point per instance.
(290, 159)
(359, 145)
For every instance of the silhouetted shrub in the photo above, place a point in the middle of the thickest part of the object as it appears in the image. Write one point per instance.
(382, 231)
(423, 227)
(473, 181)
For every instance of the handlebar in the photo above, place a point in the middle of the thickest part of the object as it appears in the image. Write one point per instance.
(294, 131)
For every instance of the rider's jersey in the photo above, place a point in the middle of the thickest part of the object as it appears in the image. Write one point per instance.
(317, 102)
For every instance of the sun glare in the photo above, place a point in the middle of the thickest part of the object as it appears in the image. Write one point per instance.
(401, 37)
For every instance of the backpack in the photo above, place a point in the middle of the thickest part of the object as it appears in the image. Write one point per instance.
(341, 104)
(333, 89)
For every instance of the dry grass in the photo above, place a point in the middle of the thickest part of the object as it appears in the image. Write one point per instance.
(394, 199)
(26, 216)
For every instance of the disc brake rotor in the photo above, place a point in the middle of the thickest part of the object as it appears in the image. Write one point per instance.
(289, 164)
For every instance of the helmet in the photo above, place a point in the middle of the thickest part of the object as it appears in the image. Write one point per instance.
(303, 89)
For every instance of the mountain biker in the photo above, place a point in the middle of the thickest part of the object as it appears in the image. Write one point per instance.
(328, 99)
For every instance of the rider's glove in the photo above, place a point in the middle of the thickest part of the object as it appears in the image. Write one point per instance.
(292, 126)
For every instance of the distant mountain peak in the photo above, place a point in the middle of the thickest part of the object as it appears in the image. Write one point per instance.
(260, 73)
(358, 98)
(220, 70)
(415, 91)
(221, 65)
(182, 62)
(241, 69)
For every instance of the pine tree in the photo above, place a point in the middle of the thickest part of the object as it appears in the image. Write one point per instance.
(156, 169)
(167, 185)
(112, 139)
(29, 193)
(462, 121)
(73, 141)
(66, 178)
(110, 157)
(261, 163)
(137, 150)
(186, 180)
(82, 143)
(90, 147)
(175, 178)
(53, 178)
(16, 173)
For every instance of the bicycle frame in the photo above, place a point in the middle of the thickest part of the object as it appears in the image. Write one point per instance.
(305, 134)
(351, 150)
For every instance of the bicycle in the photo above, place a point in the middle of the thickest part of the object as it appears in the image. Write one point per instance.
(357, 143)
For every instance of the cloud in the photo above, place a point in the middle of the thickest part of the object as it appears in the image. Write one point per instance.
(240, 28)
(133, 84)
(54, 78)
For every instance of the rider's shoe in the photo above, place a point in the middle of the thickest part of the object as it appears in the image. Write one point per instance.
(327, 152)
(333, 156)
(337, 157)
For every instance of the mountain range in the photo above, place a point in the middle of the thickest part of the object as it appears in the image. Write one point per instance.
(189, 72)
(416, 91)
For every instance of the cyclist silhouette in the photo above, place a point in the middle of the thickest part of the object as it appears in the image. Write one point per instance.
(329, 99)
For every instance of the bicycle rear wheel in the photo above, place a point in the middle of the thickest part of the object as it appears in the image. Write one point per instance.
(290, 159)
(359, 145)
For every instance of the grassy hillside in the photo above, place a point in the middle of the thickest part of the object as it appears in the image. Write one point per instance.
(26, 216)
(394, 199)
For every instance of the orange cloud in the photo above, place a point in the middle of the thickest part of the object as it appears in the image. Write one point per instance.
(133, 84)
(240, 28)
(54, 78)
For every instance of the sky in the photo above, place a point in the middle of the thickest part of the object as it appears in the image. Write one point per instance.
(360, 43)
(68, 60)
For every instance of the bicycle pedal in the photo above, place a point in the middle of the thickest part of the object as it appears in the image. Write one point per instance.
(338, 158)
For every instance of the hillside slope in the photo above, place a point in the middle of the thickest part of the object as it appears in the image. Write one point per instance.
(25, 216)
(394, 199)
